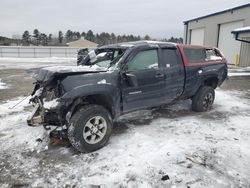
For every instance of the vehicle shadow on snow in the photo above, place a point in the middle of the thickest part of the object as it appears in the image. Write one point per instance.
(123, 124)
(145, 117)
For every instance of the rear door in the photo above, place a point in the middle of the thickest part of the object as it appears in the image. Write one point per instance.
(173, 67)
(149, 89)
(201, 63)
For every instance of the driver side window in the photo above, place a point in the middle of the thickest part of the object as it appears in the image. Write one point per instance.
(144, 60)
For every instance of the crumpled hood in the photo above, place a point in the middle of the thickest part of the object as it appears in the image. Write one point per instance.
(48, 73)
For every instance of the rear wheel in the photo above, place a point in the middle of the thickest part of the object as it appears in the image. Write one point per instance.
(90, 128)
(203, 99)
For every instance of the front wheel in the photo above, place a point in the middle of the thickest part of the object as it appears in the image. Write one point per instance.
(203, 99)
(90, 128)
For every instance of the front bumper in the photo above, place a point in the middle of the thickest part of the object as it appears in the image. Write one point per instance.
(35, 118)
(45, 117)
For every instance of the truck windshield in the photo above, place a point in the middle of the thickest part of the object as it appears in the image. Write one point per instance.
(104, 58)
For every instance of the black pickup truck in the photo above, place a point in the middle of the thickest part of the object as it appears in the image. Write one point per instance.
(83, 101)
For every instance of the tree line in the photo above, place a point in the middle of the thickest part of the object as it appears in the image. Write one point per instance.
(5, 41)
(37, 38)
(61, 39)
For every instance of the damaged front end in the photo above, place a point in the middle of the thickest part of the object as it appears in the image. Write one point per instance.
(47, 97)
(47, 106)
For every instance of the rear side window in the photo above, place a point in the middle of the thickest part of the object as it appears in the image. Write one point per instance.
(144, 60)
(195, 55)
(171, 57)
(198, 55)
(212, 55)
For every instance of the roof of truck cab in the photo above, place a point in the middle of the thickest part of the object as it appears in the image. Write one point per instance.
(138, 43)
(193, 46)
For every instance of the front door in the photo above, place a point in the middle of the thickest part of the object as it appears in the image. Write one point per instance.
(147, 88)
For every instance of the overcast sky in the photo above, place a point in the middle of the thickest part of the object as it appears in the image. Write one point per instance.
(157, 18)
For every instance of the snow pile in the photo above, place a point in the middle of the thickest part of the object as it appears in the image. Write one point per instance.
(50, 104)
(73, 68)
(13, 126)
(240, 71)
(33, 60)
(3, 85)
(231, 74)
(164, 147)
(46, 73)
(38, 92)
(241, 29)
(103, 81)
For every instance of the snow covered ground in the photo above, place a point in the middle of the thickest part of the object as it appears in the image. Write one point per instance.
(238, 71)
(29, 63)
(196, 149)
(163, 147)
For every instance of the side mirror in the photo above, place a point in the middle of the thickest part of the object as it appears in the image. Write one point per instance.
(131, 79)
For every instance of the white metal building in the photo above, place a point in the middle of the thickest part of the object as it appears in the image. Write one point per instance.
(220, 29)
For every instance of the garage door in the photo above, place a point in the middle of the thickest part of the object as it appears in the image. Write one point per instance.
(197, 36)
(227, 44)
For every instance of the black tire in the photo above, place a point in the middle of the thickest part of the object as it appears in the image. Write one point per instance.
(79, 128)
(203, 99)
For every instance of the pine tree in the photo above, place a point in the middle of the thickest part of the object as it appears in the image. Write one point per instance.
(60, 36)
(78, 35)
(146, 37)
(69, 35)
(90, 36)
(44, 39)
(50, 38)
(83, 34)
(26, 37)
(36, 35)
(113, 38)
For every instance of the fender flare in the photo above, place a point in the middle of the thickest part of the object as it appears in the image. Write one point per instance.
(76, 96)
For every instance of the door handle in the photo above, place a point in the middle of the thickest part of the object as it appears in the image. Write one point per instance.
(159, 75)
(134, 92)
